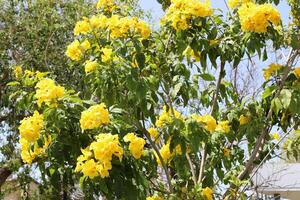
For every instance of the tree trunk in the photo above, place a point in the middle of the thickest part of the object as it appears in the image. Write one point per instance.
(4, 174)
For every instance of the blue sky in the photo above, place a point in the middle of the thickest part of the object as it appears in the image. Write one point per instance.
(157, 12)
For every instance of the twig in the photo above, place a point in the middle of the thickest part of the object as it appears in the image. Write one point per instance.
(147, 134)
(261, 140)
(264, 159)
(192, 167)
(213, 108)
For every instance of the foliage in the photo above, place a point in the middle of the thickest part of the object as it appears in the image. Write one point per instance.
(138, 113)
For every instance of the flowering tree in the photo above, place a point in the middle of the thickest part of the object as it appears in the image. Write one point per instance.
(147, 119)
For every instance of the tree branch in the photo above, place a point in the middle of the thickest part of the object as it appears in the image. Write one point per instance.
(164, 166)
(261, 140)
(213, 108)
(192, 167)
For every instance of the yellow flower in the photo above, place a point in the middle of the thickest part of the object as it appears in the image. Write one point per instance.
(208, 120)
(235, 3)
(90, 66)
(243, 120)
(154, 198)
(94, 117)
(18, 71)
(143, 29)
(136, 145)
(103, 149)
(166, 154)
(223, 126)
(85, 45)
(226, 152)
(270, 70)
(106, 56)
(89, 169)
(82, 27)
(119, 27)
(276, 136)
(154, 134)
(181, 12)
(256, 18)
(30, 150)
(74, 51)
(297, 72)
(99, 21)
(207, 193)
(167, 117)
(31, 127)
(108, 5)
(48, 92)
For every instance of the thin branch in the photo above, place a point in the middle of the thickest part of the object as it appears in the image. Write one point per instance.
(213, 108)
(261, 140)
(192, 167)
(264, 159)
(147, 134)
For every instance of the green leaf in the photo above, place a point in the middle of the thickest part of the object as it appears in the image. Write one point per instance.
(265, 55)
(203, 60)
(285, 98)
(176, 89)
(140, 58)
(268, 91)
(207, 77)
(13, 83)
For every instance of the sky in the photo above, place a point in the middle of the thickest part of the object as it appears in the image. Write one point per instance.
(157, 12)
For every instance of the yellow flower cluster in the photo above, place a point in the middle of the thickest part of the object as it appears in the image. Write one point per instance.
(106, 56)
(166, 154)
(207, 193)
(107, 5)
(154, 198)
(116, 25)
(75, 50)
(90, 66)
(30, 131)
(82, 27)
(28, 154)
(235, 3)
(297, 72)
(208, 120)
(18, 71)
(48, 92)
(223, 127)
(166, 117)
(136, 145)
(94, 117)
(256, 18)
(181, 12)
(272, 68)
(211, 125)
(154, 134)
(243, 119)
(96, 158)
(31, 127)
